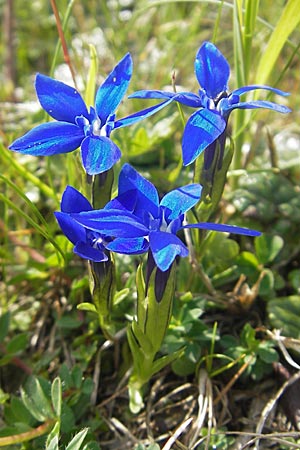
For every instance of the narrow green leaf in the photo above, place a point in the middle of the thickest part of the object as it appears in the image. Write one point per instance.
(287, 23)
(143, 340)
(33, 223)
(251, 11)
(17, 343)
(52, 442)
(77, 440)
(86, 306)
(140, 287)
(91, 81)
(27, 175)
(162, 362)
(56, 395)
(120, 295)
(4, 325)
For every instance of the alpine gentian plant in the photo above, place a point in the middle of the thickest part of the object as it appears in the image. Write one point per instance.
(214, 103)
(139, 222)
(75, 125)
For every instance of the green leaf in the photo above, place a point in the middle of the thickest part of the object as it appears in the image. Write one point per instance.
(65, 376)
(266, 287)
(91, 81)
(77, 376)
(53, 444)
(56, 395)
(288, 21)
(77, 441)
(267, 354)
(135, 398)
(120, 295)
(86, 306)
(267, 247)
(16, 412)
(35, 400)
(284, 314)
(162, 362)
(3, 397)
(294, 278)
(4, 325)
(68, 322)
(140, 287)
(17, 343)
(248, 264)
(248, 336)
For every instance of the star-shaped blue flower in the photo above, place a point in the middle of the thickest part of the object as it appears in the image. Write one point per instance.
(136, 220)
(75, 125)
(87, 244)
(214, 102)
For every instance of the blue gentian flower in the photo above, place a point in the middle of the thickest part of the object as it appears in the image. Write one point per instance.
(214, 102)
(87, 243)
(75, 125)
(137, 221)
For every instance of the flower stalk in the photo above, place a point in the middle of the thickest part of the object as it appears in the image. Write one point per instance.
(147, 330)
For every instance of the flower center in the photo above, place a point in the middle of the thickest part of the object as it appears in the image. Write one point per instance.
(96, 240)
(161, 223)
(92, 125)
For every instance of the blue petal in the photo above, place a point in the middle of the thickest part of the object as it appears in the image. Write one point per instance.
(181, 200)
(74, 202)
(136, 117)
(62, 102)
(133, 246)
(115, 223)
(224, 228)
(186, 98)
(147, 196)
(202, 128)
(125, 201)
(165, 247)
(99, 154)
(152, 94)
(253, 87)
(226, 107)
(86, 251)
(49, 139)
(110, 94)
(71, 229)
(212, 70)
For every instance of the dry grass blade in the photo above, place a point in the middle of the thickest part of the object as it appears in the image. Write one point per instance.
(271, 404)
(176, 434)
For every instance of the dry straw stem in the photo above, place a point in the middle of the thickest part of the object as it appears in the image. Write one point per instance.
(270, 405)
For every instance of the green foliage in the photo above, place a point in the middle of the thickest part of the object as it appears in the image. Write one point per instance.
(284, 314)
(257, 354)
